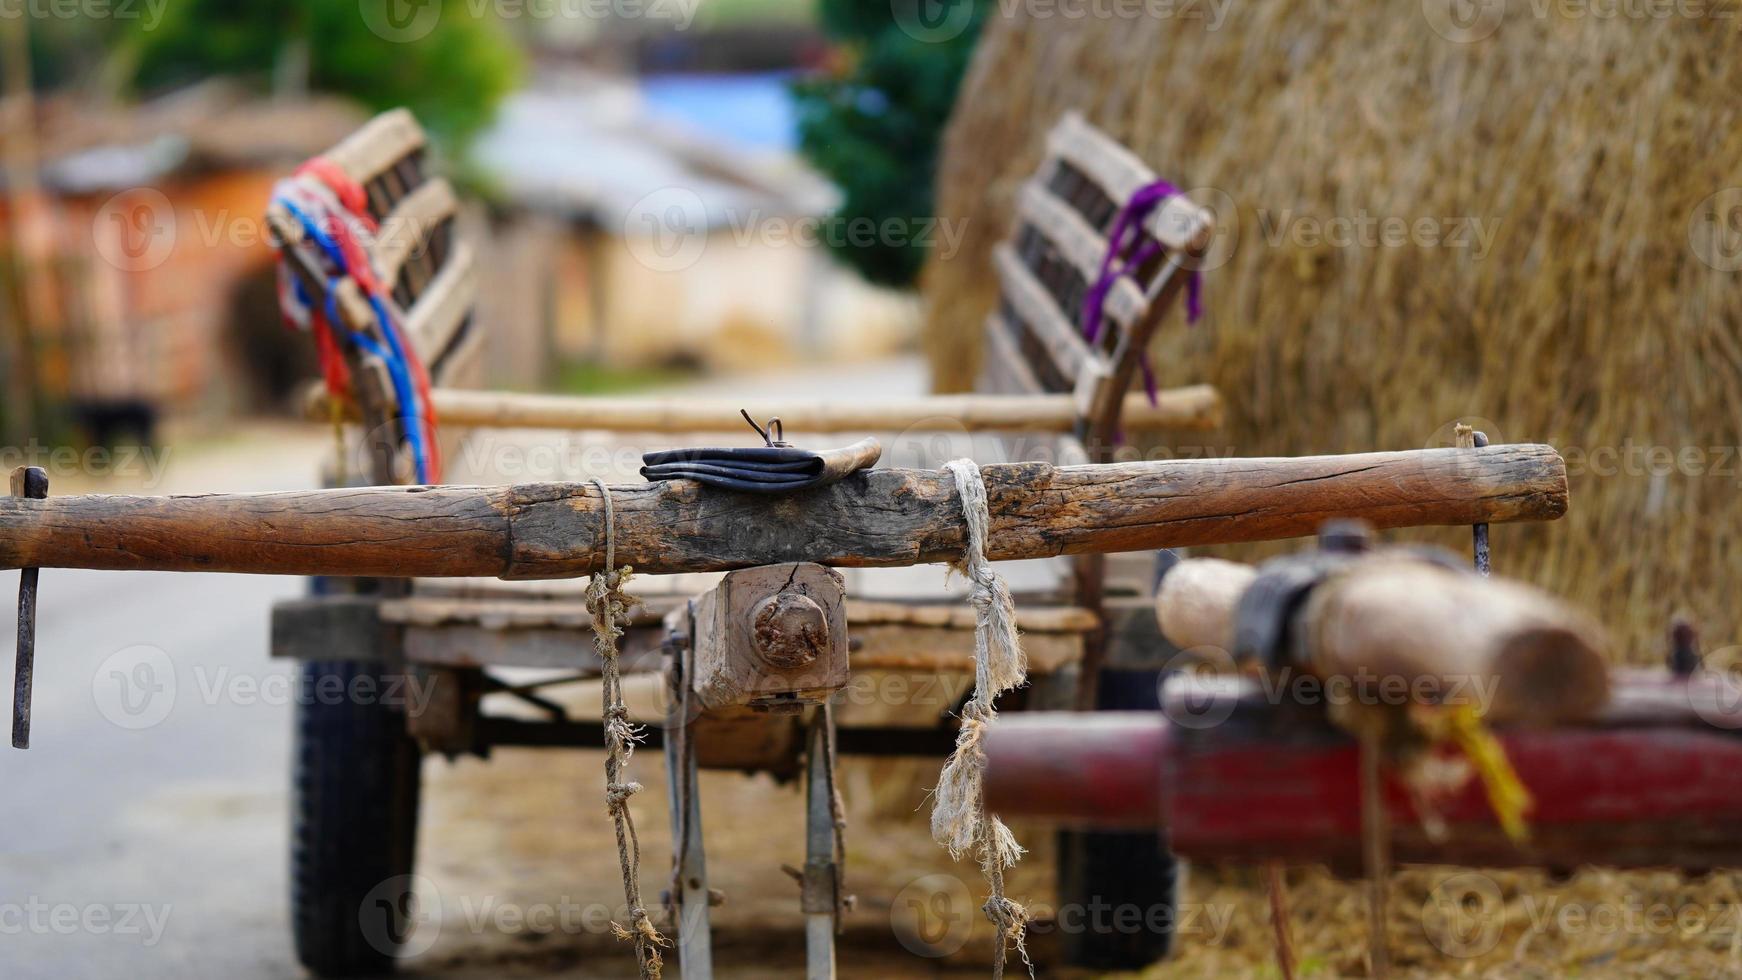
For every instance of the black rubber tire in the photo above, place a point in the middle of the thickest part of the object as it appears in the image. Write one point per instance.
(1118, 892)
(355, 789)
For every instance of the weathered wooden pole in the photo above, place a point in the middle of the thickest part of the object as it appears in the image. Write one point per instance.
(1193, 407)
(1446, 632)
(886, 517)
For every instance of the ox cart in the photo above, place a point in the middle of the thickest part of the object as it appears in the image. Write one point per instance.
(453, 584)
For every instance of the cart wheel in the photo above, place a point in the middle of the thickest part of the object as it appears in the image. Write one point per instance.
(1118, 893)
(354, 833)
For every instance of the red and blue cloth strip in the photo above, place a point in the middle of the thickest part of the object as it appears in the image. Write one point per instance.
(1125, 256)
(331, 222)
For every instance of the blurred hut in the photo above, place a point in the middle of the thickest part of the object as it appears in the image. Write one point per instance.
(676, 226)
(1568, 190)
(150, 289)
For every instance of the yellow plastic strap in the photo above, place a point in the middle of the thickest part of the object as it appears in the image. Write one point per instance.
(1506, 792)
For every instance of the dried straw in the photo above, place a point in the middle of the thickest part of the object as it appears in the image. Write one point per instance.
(1604, 318)
(1590, 146)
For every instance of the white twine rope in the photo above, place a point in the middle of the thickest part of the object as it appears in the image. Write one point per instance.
(959, 820)
(607, 601)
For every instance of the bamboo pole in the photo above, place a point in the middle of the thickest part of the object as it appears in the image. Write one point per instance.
(888, 517)
(1197, 407)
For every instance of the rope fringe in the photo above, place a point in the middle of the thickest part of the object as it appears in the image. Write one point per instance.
(607, 602)
(959, 820)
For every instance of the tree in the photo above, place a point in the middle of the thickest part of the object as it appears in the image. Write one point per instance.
(437, 57)
(874, 126)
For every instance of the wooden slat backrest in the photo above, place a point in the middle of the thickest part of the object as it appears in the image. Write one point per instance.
(1052, 259)
(1035, 340)
(431, 274)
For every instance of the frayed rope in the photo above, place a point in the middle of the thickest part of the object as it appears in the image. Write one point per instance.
(607, 602)
(959, 820)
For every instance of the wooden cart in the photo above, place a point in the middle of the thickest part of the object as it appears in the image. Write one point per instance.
(1090, 634)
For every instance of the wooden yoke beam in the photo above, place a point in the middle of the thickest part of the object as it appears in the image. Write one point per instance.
(888, 517)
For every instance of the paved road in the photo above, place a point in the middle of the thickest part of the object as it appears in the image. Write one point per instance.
(144, 830)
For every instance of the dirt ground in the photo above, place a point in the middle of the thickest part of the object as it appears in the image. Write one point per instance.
(528, 831)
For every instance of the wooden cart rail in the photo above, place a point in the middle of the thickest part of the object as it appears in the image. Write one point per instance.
(1651, 782)
(1197, 407)
(887, 517)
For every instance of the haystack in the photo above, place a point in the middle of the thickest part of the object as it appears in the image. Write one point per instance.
(1530, 220)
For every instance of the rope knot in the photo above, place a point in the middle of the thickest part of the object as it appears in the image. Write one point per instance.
(617, 794)
(1009, 917)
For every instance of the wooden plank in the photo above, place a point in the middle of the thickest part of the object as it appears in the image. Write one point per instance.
(460, 368)
(381, 143)
(331, 628)
(544, 649)
(1177, 223)
(956, 616)
(475, 646)
(907, 648)
(289, 231)
(1055, 331)
(880, 517)
(1192, 407)
(407, 230)
(1082, 246)
(509, 614)
(664, 588)
(1003, 369)
(513, 614)
(444, 306)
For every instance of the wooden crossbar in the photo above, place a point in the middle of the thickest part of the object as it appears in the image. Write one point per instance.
(886, 517)
(1197, 407)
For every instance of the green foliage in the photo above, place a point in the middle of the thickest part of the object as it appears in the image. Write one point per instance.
(451, 68)
(65, 51)
(874, 127)
(589, 377)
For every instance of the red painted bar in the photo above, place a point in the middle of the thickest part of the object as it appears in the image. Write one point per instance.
(1657, 784)
(1090, 768)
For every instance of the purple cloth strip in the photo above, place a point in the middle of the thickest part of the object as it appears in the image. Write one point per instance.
(1115, 264)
